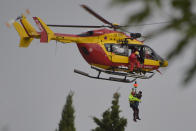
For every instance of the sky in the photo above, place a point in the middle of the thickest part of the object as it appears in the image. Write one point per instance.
(35, 81)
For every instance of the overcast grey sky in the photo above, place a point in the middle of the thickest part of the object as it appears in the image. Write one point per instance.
(34, 82)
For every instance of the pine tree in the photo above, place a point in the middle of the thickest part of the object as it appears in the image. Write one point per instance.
(111, 120)
(67, 118)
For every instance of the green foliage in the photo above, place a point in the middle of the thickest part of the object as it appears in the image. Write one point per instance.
(111, 120)
(184, 24)
(67, 118)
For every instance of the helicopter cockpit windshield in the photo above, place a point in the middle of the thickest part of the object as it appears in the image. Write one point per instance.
(148, 53)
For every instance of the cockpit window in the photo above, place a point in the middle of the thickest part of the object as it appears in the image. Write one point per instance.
(145, 52)
(118, 49)
(148, 53)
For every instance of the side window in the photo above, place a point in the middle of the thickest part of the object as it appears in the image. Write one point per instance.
(108, 47)
(117, 49)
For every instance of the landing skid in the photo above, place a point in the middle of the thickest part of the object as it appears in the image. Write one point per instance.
(133, 75)
(125, 80)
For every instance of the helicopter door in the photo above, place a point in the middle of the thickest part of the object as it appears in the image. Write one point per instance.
(117, 53)
(149, 57)
(139, 49)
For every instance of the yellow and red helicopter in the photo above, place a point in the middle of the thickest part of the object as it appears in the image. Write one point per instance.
(106, 50)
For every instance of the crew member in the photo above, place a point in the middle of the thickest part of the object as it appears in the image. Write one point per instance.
(133, 60)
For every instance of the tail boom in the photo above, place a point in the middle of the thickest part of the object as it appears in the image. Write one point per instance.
(27, 33)
(47, 34)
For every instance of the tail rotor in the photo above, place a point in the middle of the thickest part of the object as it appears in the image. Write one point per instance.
(10, 22)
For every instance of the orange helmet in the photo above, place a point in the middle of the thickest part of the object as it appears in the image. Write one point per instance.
(135, 85)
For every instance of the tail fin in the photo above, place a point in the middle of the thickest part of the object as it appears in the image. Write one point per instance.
(25, 40)
(46, 33)
(28, 27)
(26, 31)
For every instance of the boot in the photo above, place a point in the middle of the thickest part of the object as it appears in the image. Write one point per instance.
(134, 120)
(138, 118)
(134, 117)
(137, 115)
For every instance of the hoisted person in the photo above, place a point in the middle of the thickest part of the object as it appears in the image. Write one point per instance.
(134, 99)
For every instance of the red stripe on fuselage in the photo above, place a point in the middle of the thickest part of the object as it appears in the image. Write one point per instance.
(69, 35)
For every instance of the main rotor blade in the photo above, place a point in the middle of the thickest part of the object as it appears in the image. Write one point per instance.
(147, 24)
(79, 26)
(96, 15)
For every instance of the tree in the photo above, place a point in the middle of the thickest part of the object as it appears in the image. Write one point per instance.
(67, 118)
(111, 120)
(182, 20)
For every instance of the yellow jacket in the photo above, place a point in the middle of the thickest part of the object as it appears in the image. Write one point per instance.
(132, 98)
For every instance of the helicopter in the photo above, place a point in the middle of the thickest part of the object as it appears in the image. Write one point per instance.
(106, 49)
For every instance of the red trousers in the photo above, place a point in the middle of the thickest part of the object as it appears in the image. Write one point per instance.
(134, 63)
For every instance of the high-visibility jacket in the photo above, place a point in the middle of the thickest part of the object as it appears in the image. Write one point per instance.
(132, 98)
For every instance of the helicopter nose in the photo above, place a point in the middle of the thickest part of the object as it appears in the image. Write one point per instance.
(165, 63)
